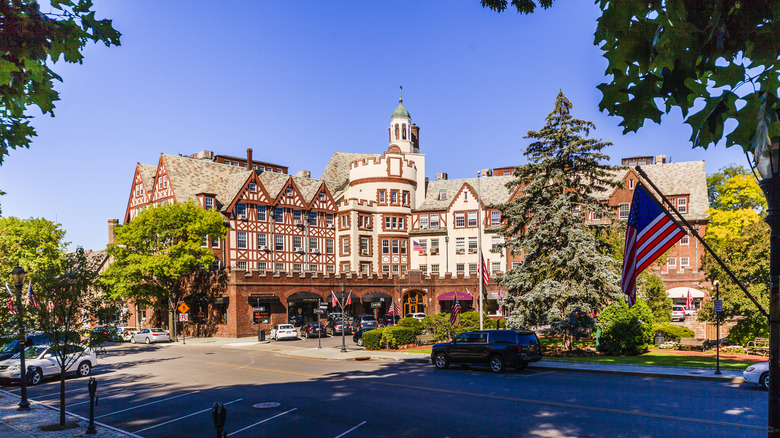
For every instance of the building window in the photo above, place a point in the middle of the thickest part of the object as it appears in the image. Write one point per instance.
(630, 183)
(671, 262)
(381, 194)
(262, 241)
(395, 246)
(472, 219)
(241, 265)
(297, 245)
(278, 215)
(684, 262)
(494, 242)
(313, 243)
(313, 267)
(215, 242)
(495, 217)
(496, 267)
(329, 244)
(296, 215)
(434, 269)
(288, 192)
(365, 244)
(322, 196)
(365, 267)
(684, 240)
(252, 187)
(424, 245)
(472, 269)
(460, 268)
(434, 246)
(343, 221)
(209, 203)
(405, 198)
(241, 210)
(297, 267)
(262, 266)
(460, 245)
(423, 221)
(330, 268)
(395, 269)
(393, 197)
(329, 220)
(594, 215)
(517, 265)
(460, 220)
(280, 267)
(385, 246)
(279, 242)
(261, 213)
(442, 194)
(403, 246)
(344, 245)
(472, 245)
(386, 269)
(345, 267)
(434, 221)
(682, 205)
(313, 218)
(205, 242)
(625, 208)
(241, 240)
(424, 269)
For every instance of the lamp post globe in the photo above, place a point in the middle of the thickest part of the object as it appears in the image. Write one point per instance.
(18, 275)
(767, 163)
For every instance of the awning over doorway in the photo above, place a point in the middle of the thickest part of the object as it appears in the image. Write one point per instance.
(682, 292)
(299, 297)
(462, 296)
(376, 296)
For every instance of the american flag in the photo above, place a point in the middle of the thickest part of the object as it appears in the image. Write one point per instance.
(394, 309)
(485, 273)
(31, 297)
(650, 232)
(11, 306)
(455, 309)
(689, 301)
(335, 301)
(349, 299)
(417, 247)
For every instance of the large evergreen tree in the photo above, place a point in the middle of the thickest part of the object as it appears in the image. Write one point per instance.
(567, 264)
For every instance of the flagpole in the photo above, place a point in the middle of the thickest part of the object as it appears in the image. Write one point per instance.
(479, 252)
(696, 235)
(343, 322)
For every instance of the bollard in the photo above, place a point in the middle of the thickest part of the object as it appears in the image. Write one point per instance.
(260, 335)
(219, 412)
(92, 385)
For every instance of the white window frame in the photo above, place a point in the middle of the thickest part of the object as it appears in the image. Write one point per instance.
(685, 262)
(241, 242)
(495, 217)
(671, 262)
(472, 219)
(624, 209)
(460, 220)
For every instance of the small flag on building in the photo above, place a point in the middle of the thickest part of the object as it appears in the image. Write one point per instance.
(485, 273)
(335, 301)
(349, 299)
(689, 301)
(455, 309)
(394, 309)
(417, 247)
(650, 232)
(31, 301)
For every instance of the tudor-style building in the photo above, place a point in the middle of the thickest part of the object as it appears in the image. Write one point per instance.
(294, 240)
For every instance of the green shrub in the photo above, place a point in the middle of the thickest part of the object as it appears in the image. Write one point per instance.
(412, 323)
(469, 321)
(439, 326)
(625, 331)
(372, 339)
(672, 332)
(748, 329)
(392, 337)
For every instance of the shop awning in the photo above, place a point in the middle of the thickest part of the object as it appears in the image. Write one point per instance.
(376, 296)
(682, 292)
(299, 297)
(462, 296)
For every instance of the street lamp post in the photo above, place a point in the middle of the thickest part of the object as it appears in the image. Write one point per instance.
(717, 328)
(343, 322)
(18, 275)
(767, 162)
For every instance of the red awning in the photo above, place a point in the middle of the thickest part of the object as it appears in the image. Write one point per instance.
(462, 296)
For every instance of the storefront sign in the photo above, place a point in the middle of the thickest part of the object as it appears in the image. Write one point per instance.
(376, 305)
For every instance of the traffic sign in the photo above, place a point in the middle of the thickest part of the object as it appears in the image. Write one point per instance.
(376, 305)
(323, 305)
(319, 311)
(718, 305)
(184, 308)
(183, 317)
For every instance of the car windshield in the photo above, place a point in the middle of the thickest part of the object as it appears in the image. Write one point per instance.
(31, 352)
(11, 346)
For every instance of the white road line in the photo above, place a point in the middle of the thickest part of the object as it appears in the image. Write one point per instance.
(537, 374)
(146, 404)
(261, 422)
(102, 397)
(181, 418)
(339, 436)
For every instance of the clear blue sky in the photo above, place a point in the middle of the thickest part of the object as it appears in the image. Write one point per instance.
(299, 80)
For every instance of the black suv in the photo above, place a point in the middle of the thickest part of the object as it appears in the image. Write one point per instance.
(496, 348)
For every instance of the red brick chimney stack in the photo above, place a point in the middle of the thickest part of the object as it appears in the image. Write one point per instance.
(112, 223)
(249, 158)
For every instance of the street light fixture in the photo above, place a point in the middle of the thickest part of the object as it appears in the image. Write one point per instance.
(343, 321)
(18, 275)
(717, 326)
(767, 163)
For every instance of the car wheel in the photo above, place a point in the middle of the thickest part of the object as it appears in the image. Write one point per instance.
(148, 341)
(34, 377)
(132, 340)
(440, 361)
(360, 342)
(496, 364)
(764, 380)
(521, 366)
(84, 369)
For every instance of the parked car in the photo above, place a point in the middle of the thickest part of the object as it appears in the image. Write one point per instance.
(41, 363)
(678, 313)
(314, 329)
(390, 320)
(334, 328)
(417, 316)
(125, 333)
(358, 336)
(283, 331)
(12, 348)
(363, 322)
(758, 374)
(691, 311)
(150, 335)
(100, 335)
(495, 348)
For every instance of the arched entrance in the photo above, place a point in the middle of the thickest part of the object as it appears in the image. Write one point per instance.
(414, 302)
(679, 296)
(376, 303)
(300, 307)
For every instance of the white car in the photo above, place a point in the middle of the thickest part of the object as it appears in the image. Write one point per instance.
(42, 363)
(150, 335)
(757, 374)
(417, 316)
(678, 313)
(284, 331)
(125, 333)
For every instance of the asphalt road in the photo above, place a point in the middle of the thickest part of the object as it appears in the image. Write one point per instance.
(168, 391)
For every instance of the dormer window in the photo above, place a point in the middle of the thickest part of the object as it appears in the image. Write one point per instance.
(442, 194)
(209, 203)
(252, 187)
(241, 210)
(288, 192)
(322, 196)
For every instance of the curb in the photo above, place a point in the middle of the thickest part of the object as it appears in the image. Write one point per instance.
(643, 374)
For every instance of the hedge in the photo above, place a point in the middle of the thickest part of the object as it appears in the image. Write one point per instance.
(371, 339)
(672, 332)
(389, 337)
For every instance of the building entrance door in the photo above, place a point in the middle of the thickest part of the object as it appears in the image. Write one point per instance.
(414, 302)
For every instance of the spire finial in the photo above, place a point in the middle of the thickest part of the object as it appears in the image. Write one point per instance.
(401, 96)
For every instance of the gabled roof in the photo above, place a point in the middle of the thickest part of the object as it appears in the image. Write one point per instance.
(337, 170)
(273, 182)
(682, 178)
(147, 172)
(189, 176)
(493, 191)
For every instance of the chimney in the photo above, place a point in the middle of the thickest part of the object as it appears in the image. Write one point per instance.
(112, 223)
(415, 138)
(486, 172)
(249, 158)
(304, 173)
(660, 159)
(441, 176)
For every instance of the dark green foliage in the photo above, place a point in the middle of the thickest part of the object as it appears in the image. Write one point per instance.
(522, 6)
(624, 331)
(651, 289)
(372, 339)
(567, 263)
(672, 332)
(576, 325)
(412, 323)
(469, 321)
(748, 329)
(394, 336)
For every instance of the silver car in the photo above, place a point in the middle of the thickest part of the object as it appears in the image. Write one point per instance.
(757, 374)
(42, 363)
(284, 331)
(151, 335)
